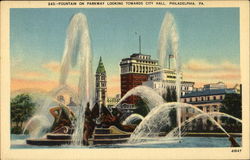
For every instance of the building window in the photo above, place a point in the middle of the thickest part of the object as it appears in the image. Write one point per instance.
(200, 107)
(208, 98)
(221, 97)
(215, 108)
(208, 109)
(214, 97)
(196, 99)
(202, 99)
(216, 119)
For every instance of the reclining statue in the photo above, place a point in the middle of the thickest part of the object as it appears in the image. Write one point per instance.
(64, 119)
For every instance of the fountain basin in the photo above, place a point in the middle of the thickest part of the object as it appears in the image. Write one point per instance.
(111, 135)
(190, 134)
(101, 136)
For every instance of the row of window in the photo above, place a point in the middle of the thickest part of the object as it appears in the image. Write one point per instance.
(183, 88)
(139, 61)
(200, 121)
(103, 84)
(203, 98)
(100, 78)
(147, 62)
(213, 108)
(144, 57)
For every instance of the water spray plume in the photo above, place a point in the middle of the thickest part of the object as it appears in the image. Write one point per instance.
(132, 119)
(158, 117)
(77, 50)
(149, 96)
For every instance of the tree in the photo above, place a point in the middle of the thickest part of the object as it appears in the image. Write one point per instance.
(232, 105)
(22, 108)
(170, 96)
(141, 108)
(173, 95)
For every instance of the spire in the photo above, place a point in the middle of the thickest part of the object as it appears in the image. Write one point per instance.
(100, 68)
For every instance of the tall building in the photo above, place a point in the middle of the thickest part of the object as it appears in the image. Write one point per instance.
(162, 79)
(134, 71)
(101, 83)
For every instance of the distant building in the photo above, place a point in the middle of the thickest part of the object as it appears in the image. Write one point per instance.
(207, 99)
(72, 105)
(134, 71)
(60, 98)
(166, 78)
(101, 83)
(71, 102)
(219, 85)
(126, 109)
(112, 101)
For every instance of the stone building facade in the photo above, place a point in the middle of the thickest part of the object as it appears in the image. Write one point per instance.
(166, 78)
(207, 99)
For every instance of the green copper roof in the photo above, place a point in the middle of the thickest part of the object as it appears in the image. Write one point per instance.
(100, 68)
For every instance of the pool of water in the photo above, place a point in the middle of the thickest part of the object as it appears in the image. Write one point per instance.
(18, 142)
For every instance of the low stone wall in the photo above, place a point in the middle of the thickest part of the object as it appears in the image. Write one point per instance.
(191, 134)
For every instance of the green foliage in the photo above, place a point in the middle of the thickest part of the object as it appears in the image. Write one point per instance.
(171, 96)
(232, 105)
(141, 108)
(168, 96)
(16, 130)
(22, 108)
(173, 115)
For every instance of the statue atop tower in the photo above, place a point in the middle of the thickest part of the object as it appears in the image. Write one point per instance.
(101, 83)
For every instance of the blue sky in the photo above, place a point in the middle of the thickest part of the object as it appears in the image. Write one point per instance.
(207, 35)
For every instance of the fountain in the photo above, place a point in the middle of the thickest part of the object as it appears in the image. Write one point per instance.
(186, 122)
(168, 45)
(41, 122)
(78, 51)
(146, 93)
(133, 119)
(149, 128)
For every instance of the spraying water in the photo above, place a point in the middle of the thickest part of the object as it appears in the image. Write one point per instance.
(42, 120)
(175, 131)
(148, 95)
(78, 47)
(132, 119)
(168, 47)
(159, 117)
(77, 50)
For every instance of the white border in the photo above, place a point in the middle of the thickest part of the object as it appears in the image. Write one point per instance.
(133, 153)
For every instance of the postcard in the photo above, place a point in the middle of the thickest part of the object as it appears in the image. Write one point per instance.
(125, 80)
